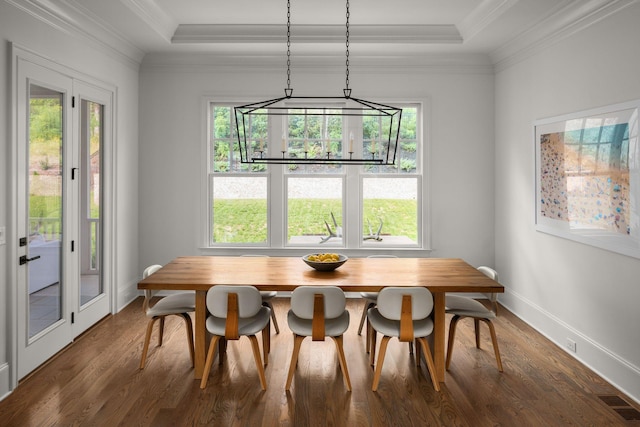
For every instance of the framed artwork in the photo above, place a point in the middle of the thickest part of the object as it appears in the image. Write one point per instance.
(588, 177)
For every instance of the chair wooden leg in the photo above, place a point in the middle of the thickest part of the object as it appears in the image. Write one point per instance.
(147, 339)
(476, 324)
(452, 337)
(368, 338)
(258, 359)
(343, 360)
(211, 354)
(297, 342)
(363, 317)
(266, 343)
(383, 350)
(429, 359)
(372, 344)
(494, 340)
(273, 316)
(417, 352)
(367, 306)
(222, 349)
(161, 334)
(189, 325)
(411, 347)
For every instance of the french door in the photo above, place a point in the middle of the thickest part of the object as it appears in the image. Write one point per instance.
(62, 132)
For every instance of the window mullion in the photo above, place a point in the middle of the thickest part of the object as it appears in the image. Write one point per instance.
(277, 206)
(352, 194)
(276, 189)
(352, 202)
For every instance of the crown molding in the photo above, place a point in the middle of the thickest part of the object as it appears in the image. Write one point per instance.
(152, 15)
(71, 18)
(222, 33)
(572, 18)
(483, 16)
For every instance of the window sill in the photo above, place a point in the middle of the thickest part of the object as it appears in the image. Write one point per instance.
(293, 251)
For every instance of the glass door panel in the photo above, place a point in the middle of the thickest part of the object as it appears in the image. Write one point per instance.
(91, 141)
(45, 197)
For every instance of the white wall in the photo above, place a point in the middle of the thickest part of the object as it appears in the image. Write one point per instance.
(459, 128)
(563, 288)
(93, 59)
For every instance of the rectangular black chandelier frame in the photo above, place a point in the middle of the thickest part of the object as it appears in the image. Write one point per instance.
(271, 107)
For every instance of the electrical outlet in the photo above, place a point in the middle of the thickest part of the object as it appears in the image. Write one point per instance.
(3, 236)
(571, 345)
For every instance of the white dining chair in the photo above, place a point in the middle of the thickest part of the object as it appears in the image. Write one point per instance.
(237, 311)
(461, 307)
(318, 312)
(180, 304)
(493, 297)
(370, 298)
(267, 296)
(402, 312)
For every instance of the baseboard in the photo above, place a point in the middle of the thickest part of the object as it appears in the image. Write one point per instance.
(126, 295)
(613, 368)
(5, 387)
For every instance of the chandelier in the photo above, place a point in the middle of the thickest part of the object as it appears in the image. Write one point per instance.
(317, 129)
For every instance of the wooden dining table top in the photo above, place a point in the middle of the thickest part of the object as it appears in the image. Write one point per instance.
(287, 273)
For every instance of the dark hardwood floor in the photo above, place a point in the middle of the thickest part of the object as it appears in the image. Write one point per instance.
(96, 382)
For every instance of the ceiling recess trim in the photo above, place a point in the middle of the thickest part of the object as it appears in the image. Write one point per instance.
(411, 34)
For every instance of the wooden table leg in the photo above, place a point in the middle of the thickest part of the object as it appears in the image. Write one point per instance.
(200, 331)
(438, 334)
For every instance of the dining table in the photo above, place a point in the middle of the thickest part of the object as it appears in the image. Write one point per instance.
(285, 274)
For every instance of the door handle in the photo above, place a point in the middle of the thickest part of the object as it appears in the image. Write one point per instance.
(24, 259)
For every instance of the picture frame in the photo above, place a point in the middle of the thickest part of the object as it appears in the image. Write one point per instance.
(588, 177)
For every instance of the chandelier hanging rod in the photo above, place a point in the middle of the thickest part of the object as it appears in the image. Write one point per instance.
(257, 144)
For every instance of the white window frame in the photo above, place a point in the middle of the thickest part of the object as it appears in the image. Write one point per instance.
(353, 176)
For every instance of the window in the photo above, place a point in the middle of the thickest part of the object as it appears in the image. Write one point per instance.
(290, 205)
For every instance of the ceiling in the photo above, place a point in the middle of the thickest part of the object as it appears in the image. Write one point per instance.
(491, 28)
